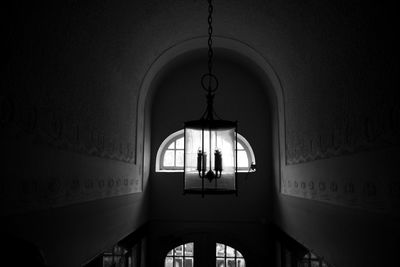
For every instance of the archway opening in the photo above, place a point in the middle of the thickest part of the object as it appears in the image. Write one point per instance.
(247, 96)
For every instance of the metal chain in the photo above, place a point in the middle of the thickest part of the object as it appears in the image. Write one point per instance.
(210, 30)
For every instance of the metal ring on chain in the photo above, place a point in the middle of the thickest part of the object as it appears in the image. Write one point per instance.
(210, 78)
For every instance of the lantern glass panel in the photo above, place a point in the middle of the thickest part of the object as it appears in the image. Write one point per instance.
(210, 150)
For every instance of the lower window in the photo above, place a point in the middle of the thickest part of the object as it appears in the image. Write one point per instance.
(181, 256)
(227, 256)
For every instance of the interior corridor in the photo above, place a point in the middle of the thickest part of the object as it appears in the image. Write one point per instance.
(94, 99)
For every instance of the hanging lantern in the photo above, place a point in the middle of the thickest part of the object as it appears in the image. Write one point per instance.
(210, 163)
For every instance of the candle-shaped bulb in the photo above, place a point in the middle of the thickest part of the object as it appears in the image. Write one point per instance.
(204, 167)
(199, 157)
(217, 160)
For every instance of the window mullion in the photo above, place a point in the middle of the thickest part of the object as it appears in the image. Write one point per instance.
(235, 257)
(183, 255)
(174, 157)
(175, 153)
(225, 255)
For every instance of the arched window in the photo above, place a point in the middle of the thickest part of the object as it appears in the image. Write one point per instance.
(170, 154)
(181, 256)
(227, 256)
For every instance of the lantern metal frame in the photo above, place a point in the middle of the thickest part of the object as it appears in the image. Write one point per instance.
(207, 122)
(204, 174)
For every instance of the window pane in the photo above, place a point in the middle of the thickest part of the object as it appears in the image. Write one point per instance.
(230, 252)
(170, 252)
(169, 158)
(168, 262)
(230, 263)
(189, 249)
(179, 251)
(238, 254)
(315, 264)
(220, 250)
(179, 143)
(243, 161)
(239, 146)
(240, 263)
(188, 262)
(179, 262)
(172, 146)
(179, 158)
(220, 262)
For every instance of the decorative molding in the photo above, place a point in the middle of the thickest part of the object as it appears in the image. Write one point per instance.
(372, 194)
(326, 155)
(34, 193)
(28, 127)
(374, 126)
(55, 128)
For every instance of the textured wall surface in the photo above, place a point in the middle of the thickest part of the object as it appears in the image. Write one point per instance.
(72, 178)
(342, 118)
(69, 107)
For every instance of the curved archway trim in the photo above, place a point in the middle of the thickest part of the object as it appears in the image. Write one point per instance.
(274, 89)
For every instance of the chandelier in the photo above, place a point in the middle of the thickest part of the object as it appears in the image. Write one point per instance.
(210, 146)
